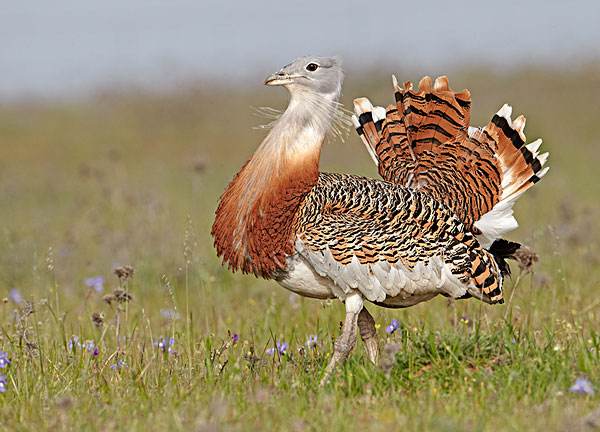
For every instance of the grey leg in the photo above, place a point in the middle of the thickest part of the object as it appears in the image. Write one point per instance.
(344, 344)
(366, 326)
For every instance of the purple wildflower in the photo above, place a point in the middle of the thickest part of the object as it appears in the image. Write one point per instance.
(394, 325)
(169, 314)
(73, 343)
(96, 351)
(89, 346)
(95, 282)
(165, 345)
(4, 360)
(235, 338)
(311, 342)
(582, 386)
(120, 364)
(281, 348)
(15, 296)
(2, 383)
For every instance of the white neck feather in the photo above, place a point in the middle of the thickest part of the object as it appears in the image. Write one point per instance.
(303, 125)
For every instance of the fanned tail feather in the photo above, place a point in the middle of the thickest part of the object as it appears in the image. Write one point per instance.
(424, 141)
(521, 166)
(368, 121)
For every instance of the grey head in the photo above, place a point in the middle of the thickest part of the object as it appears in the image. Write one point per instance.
(321, 75)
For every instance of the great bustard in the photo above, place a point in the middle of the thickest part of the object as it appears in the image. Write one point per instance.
(431, 226)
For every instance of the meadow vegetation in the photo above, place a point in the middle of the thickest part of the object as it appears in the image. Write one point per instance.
(117, 315)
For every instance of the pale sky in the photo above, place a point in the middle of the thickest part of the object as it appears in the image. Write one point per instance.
(67, 47)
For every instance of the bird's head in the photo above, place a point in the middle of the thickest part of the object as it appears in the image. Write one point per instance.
(320, 75)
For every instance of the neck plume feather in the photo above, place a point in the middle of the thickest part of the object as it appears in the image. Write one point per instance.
(255, 223)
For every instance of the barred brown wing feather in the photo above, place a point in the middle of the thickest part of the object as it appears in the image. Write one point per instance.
(388, 241)
(424, 142)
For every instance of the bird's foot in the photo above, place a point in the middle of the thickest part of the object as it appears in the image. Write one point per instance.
(366, 326)
(344, 344)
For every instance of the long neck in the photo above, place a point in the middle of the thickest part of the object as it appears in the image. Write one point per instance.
(254, 224)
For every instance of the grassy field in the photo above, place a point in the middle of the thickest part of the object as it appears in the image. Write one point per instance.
(132, 178)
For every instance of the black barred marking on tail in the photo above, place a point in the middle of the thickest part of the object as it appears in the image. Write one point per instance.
(495, 294)
(446, 117)
(507, 130)
(480, 269)
(366, 117)
(529, 156)
(464, 103)
(414, 110)
(441, 101)
(536, 165)
(497, 299)
(489, 281)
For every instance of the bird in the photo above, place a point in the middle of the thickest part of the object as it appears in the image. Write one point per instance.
(432, 225)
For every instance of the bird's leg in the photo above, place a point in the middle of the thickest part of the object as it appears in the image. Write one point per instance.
(344, 344)
(366, 326)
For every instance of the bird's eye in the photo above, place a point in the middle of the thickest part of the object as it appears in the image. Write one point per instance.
(311, 67)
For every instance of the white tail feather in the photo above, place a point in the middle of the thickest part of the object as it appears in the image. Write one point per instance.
(497, 222)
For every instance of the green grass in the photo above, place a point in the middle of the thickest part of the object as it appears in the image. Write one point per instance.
(134, 179)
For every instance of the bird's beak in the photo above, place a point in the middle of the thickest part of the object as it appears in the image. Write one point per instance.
(278, 78)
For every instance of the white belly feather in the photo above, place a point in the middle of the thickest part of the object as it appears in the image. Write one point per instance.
(318, 275)
(303, 280)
